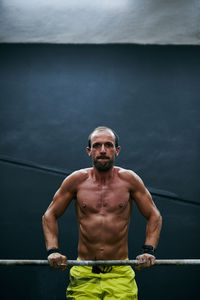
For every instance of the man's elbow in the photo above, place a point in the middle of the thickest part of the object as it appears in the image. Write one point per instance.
(158, 218)
(47, 217)
(44, 219)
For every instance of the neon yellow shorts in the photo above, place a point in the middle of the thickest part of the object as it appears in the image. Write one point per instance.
(117, 283)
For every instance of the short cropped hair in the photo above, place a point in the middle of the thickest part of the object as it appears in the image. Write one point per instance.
(101, 128)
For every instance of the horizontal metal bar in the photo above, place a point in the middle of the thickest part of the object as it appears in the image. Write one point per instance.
(164, 262)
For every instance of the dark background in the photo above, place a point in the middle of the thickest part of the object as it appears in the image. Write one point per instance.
(52, 97)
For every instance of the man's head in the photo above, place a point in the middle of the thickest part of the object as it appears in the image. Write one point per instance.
(103, 148)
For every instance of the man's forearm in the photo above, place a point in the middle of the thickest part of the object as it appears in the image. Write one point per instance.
(50, 229)
(153, 228)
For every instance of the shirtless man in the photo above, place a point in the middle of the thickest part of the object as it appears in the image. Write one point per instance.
(103, 196)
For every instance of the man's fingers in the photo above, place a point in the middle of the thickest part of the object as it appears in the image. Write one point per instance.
(57, 261)
(141, 261)
(63, 263)
(145, 261)
(152, 260)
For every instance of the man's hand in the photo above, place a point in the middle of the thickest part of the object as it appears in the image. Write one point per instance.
(145, 261)
(57, 261)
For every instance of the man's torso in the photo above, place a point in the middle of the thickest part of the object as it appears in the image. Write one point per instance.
(103, 212)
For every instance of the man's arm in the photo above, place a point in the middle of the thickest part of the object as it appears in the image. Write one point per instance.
(148, 209)
(61, 200)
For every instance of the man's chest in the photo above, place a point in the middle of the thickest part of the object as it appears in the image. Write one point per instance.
(94, 197)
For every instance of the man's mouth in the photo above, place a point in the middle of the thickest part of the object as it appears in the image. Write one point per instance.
(103, 157)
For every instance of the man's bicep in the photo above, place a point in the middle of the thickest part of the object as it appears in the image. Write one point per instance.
(61, 200)
(144, 203)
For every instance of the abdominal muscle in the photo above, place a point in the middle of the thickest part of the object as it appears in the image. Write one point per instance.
(103, 237)
(103, 212)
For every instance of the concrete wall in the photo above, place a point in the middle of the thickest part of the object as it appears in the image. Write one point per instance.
(52, 96)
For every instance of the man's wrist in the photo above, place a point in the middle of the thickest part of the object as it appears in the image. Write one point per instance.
(53, 250)
(149, 249)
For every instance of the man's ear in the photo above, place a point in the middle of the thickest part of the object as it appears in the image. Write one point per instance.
(88, 151)
(117, 151)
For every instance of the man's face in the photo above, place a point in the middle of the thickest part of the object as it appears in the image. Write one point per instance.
(103, 150)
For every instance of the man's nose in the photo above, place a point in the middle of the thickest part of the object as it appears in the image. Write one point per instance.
(103, 149)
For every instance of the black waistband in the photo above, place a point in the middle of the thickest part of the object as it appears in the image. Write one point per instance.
(101, 269)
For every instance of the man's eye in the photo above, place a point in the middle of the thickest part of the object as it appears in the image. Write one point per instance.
(109, 145)
(96, 145)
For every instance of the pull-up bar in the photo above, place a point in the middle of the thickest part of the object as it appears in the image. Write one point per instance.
(158, 262)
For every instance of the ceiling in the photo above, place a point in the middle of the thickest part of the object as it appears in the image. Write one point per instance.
(100, 21)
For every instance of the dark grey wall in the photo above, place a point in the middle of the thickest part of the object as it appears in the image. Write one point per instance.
(51, 98)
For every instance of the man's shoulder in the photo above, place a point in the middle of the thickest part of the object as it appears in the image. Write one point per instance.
(78, 175)
(81, 173)
(72, 181)
(128, 175)
(125, 172)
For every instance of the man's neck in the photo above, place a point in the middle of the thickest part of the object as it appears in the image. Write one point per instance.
(102, 177)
